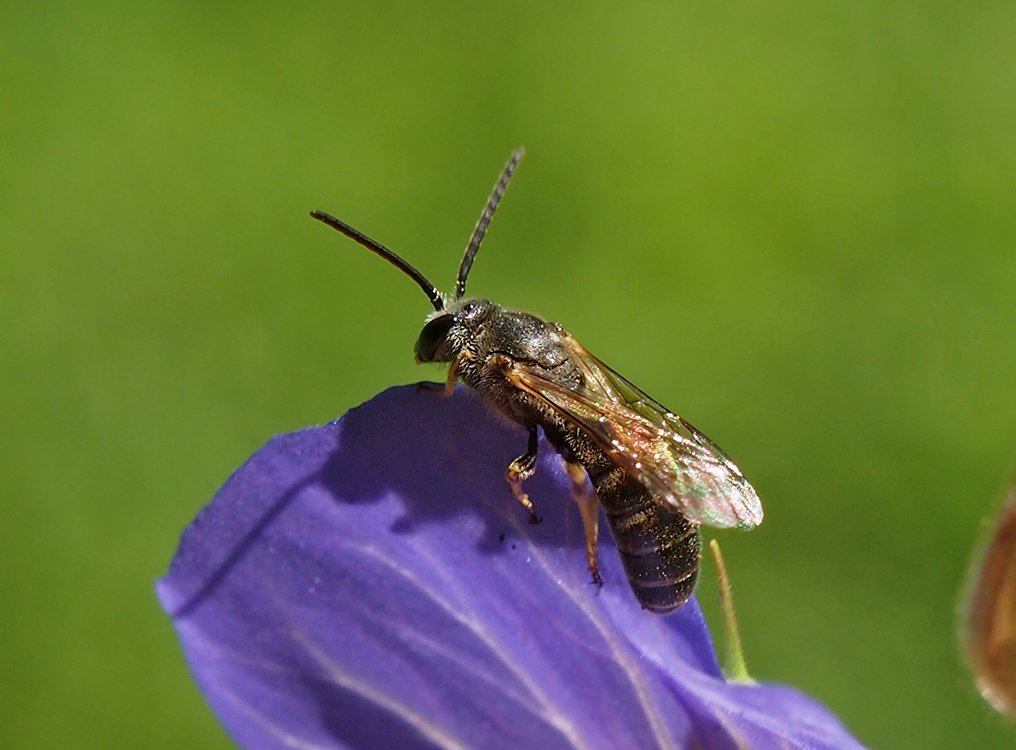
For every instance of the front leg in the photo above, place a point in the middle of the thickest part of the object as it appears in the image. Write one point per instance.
(449, 387)
(521, 469)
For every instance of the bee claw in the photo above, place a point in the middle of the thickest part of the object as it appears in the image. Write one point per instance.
(534, 519)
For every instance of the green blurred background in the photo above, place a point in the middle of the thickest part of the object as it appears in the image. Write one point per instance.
(791, 222)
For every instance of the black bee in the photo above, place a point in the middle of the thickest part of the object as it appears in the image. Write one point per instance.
(657, 477)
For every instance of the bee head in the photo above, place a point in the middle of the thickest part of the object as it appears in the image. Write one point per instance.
(447, 332)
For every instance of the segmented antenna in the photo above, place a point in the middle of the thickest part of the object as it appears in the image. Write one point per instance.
(376, 247)
(484, 221)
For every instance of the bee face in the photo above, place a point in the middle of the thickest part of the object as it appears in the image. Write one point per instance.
(432, 345)
(447, 332)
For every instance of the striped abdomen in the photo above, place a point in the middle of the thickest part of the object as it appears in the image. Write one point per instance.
(659, 547)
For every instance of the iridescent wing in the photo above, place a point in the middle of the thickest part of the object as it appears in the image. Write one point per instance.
(673, 459)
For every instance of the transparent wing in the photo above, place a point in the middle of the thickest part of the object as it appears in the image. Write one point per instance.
(673, 459)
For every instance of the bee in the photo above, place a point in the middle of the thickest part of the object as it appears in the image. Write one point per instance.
(657, 477)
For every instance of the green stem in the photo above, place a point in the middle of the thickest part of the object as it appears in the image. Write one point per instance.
(735, 668)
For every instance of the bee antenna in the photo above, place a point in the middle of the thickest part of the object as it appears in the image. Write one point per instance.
(376, 247)
(485, 219)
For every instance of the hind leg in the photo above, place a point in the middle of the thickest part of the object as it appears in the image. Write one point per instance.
(589, 509)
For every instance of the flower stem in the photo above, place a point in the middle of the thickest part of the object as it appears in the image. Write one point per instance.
(735, 668)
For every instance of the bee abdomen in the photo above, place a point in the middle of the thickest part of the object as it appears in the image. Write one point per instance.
(659, 548)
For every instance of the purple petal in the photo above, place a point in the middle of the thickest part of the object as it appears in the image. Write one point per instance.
(373, 583)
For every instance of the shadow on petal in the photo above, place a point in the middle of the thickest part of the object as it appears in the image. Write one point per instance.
(450, 462)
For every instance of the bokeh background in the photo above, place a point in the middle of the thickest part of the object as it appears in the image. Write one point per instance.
(793, 223)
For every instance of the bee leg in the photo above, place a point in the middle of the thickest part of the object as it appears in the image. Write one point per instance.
(520, 470)
(589, 509)
(448, 388)
(453, 377)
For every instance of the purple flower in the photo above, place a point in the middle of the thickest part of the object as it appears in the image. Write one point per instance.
(373, 583)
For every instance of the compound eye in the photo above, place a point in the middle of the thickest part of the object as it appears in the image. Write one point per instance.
(432, 339)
